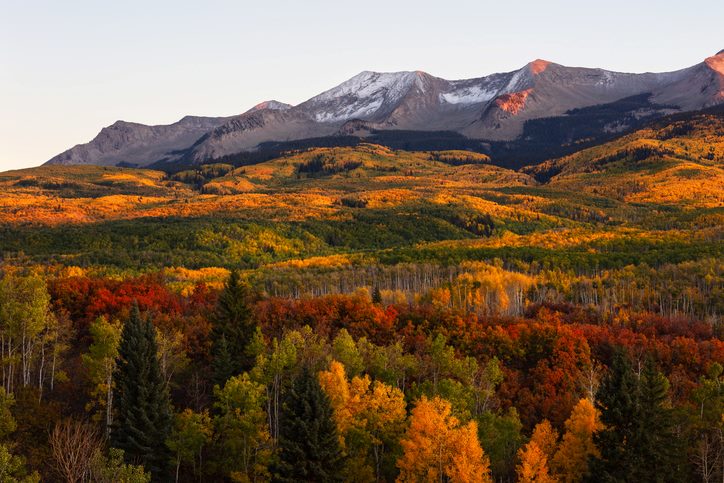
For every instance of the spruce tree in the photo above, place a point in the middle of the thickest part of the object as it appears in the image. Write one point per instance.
(233, 329)
(659, 446)
(143, 420)
(638, 442)
(308, 441)
(616, 399)
(222, 364)
(376, 296)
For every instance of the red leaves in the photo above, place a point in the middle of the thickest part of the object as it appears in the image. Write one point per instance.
(546, 354)
(327, 315)
(86, 298)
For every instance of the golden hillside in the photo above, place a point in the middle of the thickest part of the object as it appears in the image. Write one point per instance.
(321, 182)
(678, 163)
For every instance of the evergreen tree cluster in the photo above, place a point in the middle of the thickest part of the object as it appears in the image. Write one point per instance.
(308, 440)
(639, 441)
(143, 419)
(233, 331)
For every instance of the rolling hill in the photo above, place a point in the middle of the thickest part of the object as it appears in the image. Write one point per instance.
(677, 162)
(373, 203)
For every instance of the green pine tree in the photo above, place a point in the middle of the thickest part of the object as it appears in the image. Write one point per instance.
(308, 441)
(222, 364)
(660, 447)
(616, 399)
(143, 420)
(233, 326)
(639, 442)
(376, 296)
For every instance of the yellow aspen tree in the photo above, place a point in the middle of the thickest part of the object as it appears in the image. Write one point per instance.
(100, 362)
(570, 462)
(533, 466)
(468, 463)
(369, 418)
(437, 447)
(383, 412)
(546, 437)
(335, 384)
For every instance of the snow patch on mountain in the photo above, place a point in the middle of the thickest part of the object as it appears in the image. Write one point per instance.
(362, 109)
(607, 79)
(518, 82)
(468, 95)
(362, 95)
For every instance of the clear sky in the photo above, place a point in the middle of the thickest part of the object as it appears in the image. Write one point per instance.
(68, 68)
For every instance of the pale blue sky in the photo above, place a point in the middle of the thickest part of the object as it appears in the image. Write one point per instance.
(68, 68)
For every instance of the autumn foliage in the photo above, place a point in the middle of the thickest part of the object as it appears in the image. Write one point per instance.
(437, 446)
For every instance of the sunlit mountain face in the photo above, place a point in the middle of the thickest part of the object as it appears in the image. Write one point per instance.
(541, 108)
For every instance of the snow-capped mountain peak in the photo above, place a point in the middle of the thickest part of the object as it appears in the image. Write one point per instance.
(363, 96)
(495, 107)
(368, 83)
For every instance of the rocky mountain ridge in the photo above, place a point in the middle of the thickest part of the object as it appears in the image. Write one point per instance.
(492, 108)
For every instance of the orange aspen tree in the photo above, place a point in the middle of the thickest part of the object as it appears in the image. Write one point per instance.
(533, 467)
(438, 447)
(369, 417)
(545, 437)
(571, 460)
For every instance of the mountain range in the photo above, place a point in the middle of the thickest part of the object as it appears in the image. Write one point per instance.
(542, 105)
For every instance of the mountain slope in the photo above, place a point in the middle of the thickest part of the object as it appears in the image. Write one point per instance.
(651, 196)
(494, 108)
(678, 160)
(137, 144)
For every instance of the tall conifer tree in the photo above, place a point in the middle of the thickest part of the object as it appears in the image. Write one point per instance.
(222, 365)
(616, 399)
(660, 447)
(638, 442)
(233, 330)
(143, 420)
(308, 440)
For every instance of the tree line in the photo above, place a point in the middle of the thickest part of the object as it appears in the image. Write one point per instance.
(346, 388)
